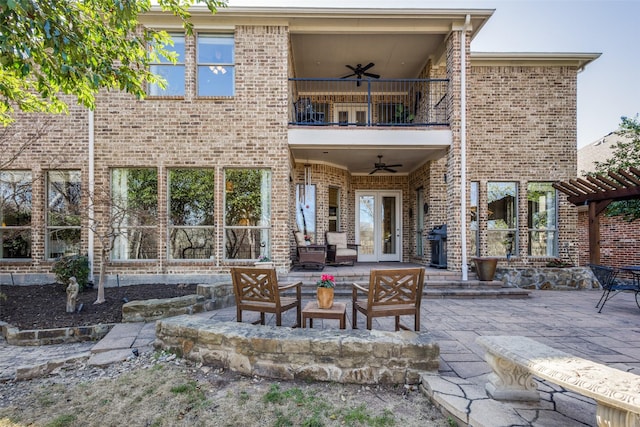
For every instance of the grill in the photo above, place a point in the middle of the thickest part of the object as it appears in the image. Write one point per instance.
(438, 238)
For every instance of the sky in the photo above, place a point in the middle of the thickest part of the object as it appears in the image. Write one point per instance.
(608, 88)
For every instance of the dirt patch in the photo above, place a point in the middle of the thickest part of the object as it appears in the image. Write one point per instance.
(44, 306)
(158, 389)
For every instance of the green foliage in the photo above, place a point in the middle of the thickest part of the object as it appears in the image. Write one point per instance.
(626, 154)
(77, 48)
(75, 265)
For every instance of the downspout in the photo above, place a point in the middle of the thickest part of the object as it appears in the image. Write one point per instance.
(463, 145)
(91, 213)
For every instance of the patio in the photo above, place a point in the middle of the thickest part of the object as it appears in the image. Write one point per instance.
(566, 320)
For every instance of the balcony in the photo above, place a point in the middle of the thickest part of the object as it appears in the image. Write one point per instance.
(368, 103)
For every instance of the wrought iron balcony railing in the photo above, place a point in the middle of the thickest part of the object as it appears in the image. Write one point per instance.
(368, 102)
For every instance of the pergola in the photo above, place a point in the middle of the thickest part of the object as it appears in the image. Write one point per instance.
(597, 192)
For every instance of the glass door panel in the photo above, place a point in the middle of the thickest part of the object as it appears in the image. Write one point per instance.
(378, 224)
(366, 227)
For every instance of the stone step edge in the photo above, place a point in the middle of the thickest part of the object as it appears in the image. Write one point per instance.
(467, 403)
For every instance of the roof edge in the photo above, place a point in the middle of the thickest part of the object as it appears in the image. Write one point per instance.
(578, 59)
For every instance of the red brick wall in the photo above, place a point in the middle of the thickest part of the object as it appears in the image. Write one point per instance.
(619, 241)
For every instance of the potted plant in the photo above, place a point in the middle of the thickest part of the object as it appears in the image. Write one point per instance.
(324, 288)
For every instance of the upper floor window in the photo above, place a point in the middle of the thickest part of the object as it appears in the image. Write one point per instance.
(63, 213)
(173, 74)
(216, 67)
(15, 213)
(542, 219)
(502, 224)
(191, 208)
(134, 213)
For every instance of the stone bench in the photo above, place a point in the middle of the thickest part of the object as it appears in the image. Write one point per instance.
(346, 356)
(516, 360)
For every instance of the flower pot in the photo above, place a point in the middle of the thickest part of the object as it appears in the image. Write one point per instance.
(325, 297)
(485, 268)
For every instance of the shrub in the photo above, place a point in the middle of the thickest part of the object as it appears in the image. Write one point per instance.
(75, 265)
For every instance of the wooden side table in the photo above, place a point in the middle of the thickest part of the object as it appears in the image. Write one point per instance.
(337, 311)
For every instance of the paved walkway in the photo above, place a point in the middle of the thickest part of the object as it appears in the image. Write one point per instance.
(566, 320)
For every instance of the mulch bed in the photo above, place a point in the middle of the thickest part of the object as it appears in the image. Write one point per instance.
(44, 306)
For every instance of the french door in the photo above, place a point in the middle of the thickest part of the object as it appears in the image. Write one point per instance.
(378, 225)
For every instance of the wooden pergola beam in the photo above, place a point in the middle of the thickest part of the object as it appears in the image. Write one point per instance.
(598, 192)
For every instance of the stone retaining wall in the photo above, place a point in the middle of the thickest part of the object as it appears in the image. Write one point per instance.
(15, 336)
(548, 278)
(345, 356)
(154, 309)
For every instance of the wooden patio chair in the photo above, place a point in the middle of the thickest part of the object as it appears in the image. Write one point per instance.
(256, 289)
(395, 292)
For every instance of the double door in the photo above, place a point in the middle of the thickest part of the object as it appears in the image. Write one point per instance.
(379, 225)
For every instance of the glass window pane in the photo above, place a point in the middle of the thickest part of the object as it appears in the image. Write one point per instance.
(474, 190)
(134, 205)
(177, 48)
(173, 75)
(542, 243)
(135, 196)
(16, 243)
(246, 243)
(63, 198)
(136, 243)
(191, 196)
(191, 243)
(247, 213)
(216, 80)
(501, 200)
(247, 197)
(502, 219)
(215, 49)
(16, 197)
(542, 219)
(63, 242)
(541, 198)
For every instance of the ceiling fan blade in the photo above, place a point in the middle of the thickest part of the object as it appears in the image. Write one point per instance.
(393, 166)
(369, 65)
(350, 75)
(374, 171)
(375, 76)
(351, 68)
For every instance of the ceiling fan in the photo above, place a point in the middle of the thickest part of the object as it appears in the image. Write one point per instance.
(379, 166)
(360, 71)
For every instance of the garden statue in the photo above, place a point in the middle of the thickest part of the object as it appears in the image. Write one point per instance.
(72, 294)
